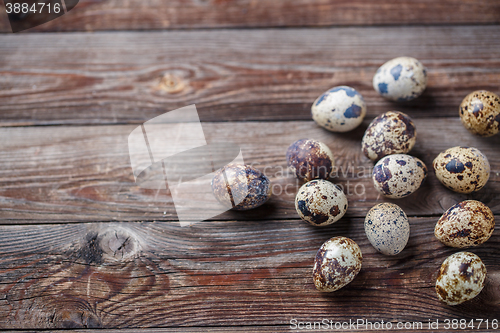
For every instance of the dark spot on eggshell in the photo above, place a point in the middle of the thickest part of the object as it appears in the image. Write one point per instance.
(334, 211)
(468, 164)
(382, 175)
(382, 88)
(401, 162)
(455, 166)
(318, 218)
(354, 111)
(409, 126)
(464, 271)
(303, 208)
(396, 71)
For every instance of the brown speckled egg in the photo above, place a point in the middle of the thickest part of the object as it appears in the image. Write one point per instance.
(319, 202)
(387, 228)
(461, 278)
(241, 187)
(468, 223)
(310, 159)
(480, 113)
(397, 176)
(390, 133)
(462, 169)
(337, 263)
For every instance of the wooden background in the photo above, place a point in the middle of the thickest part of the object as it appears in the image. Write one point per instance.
(83, 247)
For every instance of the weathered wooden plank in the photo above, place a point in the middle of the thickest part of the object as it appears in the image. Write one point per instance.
(118, 275)
(130, 77)
(67, 174)
(93, 15)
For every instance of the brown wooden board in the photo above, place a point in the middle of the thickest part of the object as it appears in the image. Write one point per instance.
(67, 174)
(233, 273)
(232, 75)
(94, 15)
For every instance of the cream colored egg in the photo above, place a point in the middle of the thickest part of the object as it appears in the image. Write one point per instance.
(400, 79)
(462, 169)
(336, 264)
(397, 176)
(468, 223)
(480, 113)
(387, 228)
(390, 133)
(461, 278)
(320, 202)
(339, 109)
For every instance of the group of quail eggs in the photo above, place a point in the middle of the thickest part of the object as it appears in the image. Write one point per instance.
(387, 141)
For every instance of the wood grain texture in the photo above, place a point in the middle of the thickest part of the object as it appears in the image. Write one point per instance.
(67, 174)
(234, 273)
(231, 75)
(94, 15)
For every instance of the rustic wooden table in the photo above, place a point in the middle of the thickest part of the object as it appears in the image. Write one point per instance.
(82, 246)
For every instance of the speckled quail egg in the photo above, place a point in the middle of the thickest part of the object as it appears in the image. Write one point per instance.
(319, 202)
(340, 109)
(310, 159)
(400, 79)
(462, 169)
(397, 176)
(390, 133)
(480, 113)
(337, 263)
(241, 187)
(387, 228)
(468, 223)
(461, 278)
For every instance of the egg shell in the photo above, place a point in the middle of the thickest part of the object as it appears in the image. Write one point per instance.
(387, 228)
(310, 159)
(319, 202)
(461, 278)
(468, 223)
(397, 176)
(336, 264)
(340, 109)
(390, 133)
(241, 187)
(400, 79)
(462, 169)
(480, 113)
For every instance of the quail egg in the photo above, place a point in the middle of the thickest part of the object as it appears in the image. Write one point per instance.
(461, 278)
(401, 79)
(241, 187)
(468, 223)
(319, 202)
(480, 113)
(387, 228)
(397, 176)
(337, 263)
(462, 169)
(390, 133)
(310, 159)
(339, 109)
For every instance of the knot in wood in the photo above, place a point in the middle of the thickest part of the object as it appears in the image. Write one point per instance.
(172, 83)
(118, 243)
